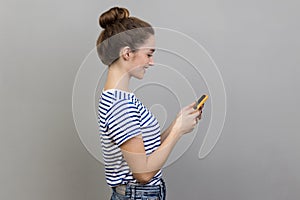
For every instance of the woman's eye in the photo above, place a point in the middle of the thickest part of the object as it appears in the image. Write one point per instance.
(150, 55)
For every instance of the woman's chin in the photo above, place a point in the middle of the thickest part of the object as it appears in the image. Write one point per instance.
(140, 75)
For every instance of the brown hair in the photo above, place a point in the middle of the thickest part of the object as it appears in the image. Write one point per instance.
(126, 31)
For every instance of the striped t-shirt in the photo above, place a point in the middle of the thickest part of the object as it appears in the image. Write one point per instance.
(122, 116)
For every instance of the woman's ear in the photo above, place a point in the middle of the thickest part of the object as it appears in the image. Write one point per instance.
(126, 53)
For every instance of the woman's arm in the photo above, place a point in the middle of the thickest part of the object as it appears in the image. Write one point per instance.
(166, 132)
(143, 166)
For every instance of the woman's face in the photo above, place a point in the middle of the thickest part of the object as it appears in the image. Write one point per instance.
(143, 58)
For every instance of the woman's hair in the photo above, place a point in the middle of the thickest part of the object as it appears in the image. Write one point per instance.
(120, 30)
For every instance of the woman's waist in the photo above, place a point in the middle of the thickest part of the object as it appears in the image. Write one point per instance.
(138, 187)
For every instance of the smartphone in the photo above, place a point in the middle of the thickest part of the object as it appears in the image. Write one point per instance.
(200, 101)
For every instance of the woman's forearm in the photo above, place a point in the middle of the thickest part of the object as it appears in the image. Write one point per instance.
(165, 134)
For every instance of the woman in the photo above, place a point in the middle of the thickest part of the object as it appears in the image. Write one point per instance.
(134, 149)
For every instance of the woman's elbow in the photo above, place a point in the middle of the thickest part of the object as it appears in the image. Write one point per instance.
(143, 178)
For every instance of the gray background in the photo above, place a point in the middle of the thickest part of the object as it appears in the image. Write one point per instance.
(255, 45)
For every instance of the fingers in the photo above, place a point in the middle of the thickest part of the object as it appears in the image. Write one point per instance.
(189, 107)
(190, 110)
(192, 104)
(194, 114)
(200, 116)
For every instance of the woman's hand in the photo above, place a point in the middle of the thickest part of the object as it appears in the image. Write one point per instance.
(186, 119)
(200, 115)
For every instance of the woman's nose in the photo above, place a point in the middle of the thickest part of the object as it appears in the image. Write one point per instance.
(151, 61)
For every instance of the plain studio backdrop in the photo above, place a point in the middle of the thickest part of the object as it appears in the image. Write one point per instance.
(255, 45)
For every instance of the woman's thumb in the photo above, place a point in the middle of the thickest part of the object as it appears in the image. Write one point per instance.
(192, 104)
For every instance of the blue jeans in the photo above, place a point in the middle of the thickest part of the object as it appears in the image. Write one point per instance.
(141, 192)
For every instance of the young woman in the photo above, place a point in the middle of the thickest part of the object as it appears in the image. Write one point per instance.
(134, 149)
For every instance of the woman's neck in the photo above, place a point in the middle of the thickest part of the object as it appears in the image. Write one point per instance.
(117, 79)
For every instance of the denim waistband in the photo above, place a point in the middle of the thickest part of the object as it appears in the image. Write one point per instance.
(136, 191)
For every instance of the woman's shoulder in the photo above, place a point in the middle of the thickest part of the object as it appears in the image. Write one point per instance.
(114, 97)
(117, 94)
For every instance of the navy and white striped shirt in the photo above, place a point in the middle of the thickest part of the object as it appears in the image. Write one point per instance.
(122, 116)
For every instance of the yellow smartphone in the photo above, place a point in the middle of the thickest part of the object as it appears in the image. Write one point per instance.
(200, 101)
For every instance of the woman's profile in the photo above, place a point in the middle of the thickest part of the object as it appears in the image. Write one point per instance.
(134, 148)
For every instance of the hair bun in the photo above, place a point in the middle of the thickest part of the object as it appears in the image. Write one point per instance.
(112, 15)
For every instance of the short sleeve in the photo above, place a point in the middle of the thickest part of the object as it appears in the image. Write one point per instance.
(123, 121)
